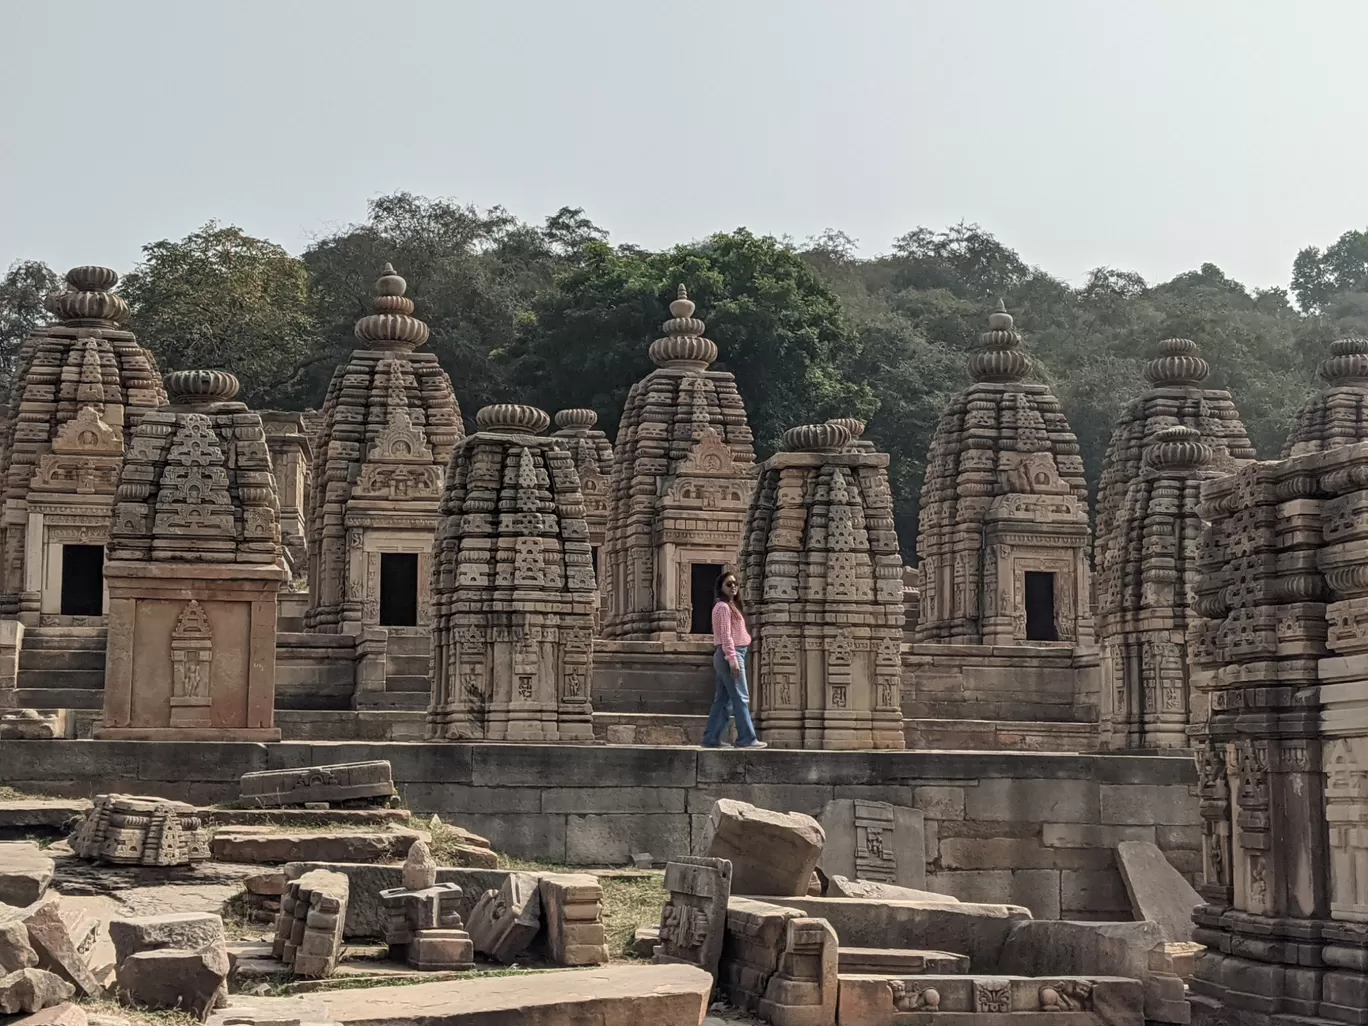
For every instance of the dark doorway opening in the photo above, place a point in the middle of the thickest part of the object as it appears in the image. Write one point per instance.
(399, 589)
(1040, 607)
(593, 559)
(702, 578)
(82, 580)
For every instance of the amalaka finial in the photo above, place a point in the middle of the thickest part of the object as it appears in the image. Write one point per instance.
(1000, 359)
(1177, 364)
(576, 421)
(391, 324)
(683, 345)
(87, 301)
(512, 418)
(200, 387)
(1347, 363)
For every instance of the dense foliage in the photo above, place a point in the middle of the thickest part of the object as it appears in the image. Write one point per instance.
(556, 315)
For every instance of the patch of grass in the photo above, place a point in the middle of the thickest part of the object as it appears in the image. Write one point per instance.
(628, 904)
(531, 865)
(237, 919)
(139, 1016)
(13, 794)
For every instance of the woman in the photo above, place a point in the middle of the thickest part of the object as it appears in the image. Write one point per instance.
(731, 698)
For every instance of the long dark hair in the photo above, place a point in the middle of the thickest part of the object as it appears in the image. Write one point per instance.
(720, 596)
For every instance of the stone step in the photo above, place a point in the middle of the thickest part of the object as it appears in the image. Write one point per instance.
(391, 700)
(419, 683)
(59, 698)
(405, 645)
(64, 642)
(901, 961)
(408, 664)
(33, 633)
(88, 680)
(52, 660)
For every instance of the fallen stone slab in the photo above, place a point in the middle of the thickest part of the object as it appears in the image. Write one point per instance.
(310, 925)
(997, 1000)
(269, 885)
(772, 854)
(572, 909)
(42, 815)
(371, 781)
(82, 928)
(24, 881)
(842, 887)
(185, 930)
(31, 990)
(192, 981)
(15, 950)
(644, 941)
(320, 846)
(901, 961)
(32, 725)
(504, 923)
(621, 995)
(1157, 891)
(299, 819)
(366, 912)
(874, 841)
(56, 951)
(65, 1014)
(694, 920)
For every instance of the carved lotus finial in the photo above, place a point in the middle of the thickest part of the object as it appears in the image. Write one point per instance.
(828, 437)
(575, 421)
(1000, 358)
(1177, 364)
(200, 387)
(391, 324)
(1177, 448)
(512, 418)
(1347, 363)
(87, 300)
(683, 345)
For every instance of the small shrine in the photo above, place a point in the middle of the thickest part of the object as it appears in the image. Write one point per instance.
(1337, 414)
(823, 581)
(682, 481)
(194, 573)
(1003, 541)
(422, 925)
(1168, 440)
(592, 454)
(288, 441)
(388, 425)
(514, 590)
(83, 385)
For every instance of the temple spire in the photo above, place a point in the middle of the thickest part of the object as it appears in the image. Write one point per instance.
(391, 324)
(1001, 357)
(683, 345)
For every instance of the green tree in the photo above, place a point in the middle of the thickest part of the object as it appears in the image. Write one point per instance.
(1317, 277)
(23, 290)
(220, 298)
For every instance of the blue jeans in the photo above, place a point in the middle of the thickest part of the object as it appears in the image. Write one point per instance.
(730, 700)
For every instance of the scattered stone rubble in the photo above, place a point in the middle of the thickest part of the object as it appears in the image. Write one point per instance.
(136, 830)
(345, 783)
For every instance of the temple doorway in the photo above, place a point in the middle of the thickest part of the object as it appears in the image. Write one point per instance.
(1040, 607)
(398, 589)
(82, 580)
(702, 578)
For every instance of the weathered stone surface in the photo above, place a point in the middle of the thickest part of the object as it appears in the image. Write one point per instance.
(309, 929)
(1157, 891)
(420, 868)
(332, 846)
(819, 548)
(874, 841)
(572, 909)
(271, 885)
(24, 881)
(192, 981)
(645, 940)
(186, 930)
(506, 921)
(56, 951)
(29, 990)
(841, 887)
(1004, 495)
(65, 1014)
(772, 853)
(592, 453)
(28, 724)
(681, 486)
(803, 990)
(1041, 946)
(15, 950)
(140, 830)
(999, 1000)
(422, 925)
(83, 929)
(901, 961)
(336, 782)
(693, 922)
(513, 659)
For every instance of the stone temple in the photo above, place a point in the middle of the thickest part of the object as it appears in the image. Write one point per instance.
(1058, 739)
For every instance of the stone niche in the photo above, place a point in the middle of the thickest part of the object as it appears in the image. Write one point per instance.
(822, 579)
(389, 422)
(1165, 444)
(83, 383)
(682, 481)
(1004, 522)
(513, 643)
(194, 573)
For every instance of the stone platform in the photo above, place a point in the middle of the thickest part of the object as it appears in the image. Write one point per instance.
(1033, 829)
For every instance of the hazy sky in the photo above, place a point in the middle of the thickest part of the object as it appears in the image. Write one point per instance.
(1151, 136)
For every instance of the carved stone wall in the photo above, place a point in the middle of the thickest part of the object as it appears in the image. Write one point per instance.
(82, 385)
(1168, 440)
(514, 589)
(682, 480)
(388, 425)
(822, 579)
(1004, 496)
(291, 456)
(194, 572)
(1338, 414)
(1282, 654)
(593, 457)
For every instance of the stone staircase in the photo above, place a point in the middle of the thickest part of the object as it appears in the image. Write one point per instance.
(62, 668)
(408, 670)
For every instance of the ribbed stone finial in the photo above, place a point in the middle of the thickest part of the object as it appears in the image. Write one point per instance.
(391, 324)
(683, 345)
(1000, 359)
(87, 301)
(852, 424)
(1177, 364)
(1347, 363)
(200, 387)
(828, 437)
(1177, 448)
(576, 421)
(513, 418)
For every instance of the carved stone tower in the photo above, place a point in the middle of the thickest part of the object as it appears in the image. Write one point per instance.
(389, 423)
(1168, 440)
(592, 454)
(682, 479)
(194, 573)
(288, 440)
(82, 385)
(1004, 524)
(513, 642)
(1338, 414)
(822, 576)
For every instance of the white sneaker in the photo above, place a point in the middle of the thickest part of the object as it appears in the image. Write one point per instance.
(755, 744)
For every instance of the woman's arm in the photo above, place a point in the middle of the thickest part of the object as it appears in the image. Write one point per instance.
(722, 632)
